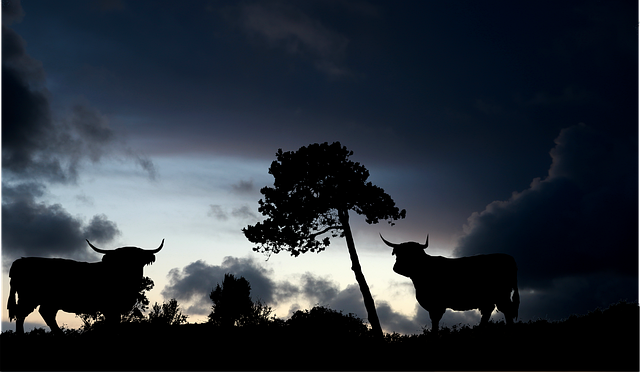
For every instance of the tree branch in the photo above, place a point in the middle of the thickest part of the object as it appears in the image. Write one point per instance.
(313, 236)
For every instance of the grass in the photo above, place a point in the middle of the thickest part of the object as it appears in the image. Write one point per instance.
(600, 340)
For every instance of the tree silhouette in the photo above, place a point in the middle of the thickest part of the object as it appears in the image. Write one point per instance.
(314, 190)
(231, 301)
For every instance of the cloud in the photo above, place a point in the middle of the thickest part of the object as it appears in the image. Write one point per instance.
(243, 187)
(36, 144)
(192, 285)
(244, 212)
(317, 289)
(216, 212)
(299, 34)
(32, 228)
(570, 230)
(11, 12)
(194, 282)
(393, 321)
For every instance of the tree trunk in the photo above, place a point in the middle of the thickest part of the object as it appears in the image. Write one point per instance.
(355, 266)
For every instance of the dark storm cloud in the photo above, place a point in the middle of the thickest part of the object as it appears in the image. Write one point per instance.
(574, 233)
(36, 144)
(11, 12)
(32, 228)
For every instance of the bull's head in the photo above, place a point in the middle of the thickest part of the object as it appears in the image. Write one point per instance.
(407, 255)
(133, 256)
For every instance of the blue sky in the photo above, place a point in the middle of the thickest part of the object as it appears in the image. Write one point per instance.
(498, 126)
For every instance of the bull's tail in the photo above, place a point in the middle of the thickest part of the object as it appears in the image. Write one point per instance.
(11, 304)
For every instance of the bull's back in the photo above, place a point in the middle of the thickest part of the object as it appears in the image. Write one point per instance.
(30, 270)
(465, 283)
(55, 281)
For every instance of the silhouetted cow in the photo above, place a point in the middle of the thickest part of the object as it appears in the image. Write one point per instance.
(110, 286)
(466, 283)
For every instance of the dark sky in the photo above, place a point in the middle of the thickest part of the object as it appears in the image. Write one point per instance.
(499, 126)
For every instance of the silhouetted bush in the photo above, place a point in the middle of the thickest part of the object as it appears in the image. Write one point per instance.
(323, 320)
(167, 314)
(135, 314)
(326, 339)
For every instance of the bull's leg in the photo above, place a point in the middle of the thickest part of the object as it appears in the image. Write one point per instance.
(18, 310)
(21, 313)
(112, 321)
(49, 316)
(20, 325)
(486, 314)
(507, 308)
(435, 316)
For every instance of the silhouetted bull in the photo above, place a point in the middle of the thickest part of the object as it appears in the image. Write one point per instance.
(466, 283)
(110, 286)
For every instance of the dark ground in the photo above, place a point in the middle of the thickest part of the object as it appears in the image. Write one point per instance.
(600, 340)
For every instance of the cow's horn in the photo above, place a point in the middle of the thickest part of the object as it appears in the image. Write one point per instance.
(392, 245)
(103, 251)
(425, 245)
(154, 251)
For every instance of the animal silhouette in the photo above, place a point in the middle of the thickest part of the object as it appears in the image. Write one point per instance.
(476, 282)
(57, 284)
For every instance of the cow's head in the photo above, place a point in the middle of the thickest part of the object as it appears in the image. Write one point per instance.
(408, 255)
(128, 256)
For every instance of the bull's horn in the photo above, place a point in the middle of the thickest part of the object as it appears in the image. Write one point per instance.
(103, 251)
(392, 245)
(154, 251)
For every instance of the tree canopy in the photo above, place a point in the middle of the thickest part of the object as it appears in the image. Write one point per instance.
(313, 191)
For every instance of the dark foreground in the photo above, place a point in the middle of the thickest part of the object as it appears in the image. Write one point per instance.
(601, 340)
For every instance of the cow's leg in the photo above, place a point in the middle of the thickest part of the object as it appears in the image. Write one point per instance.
(21, 314)
(507, 308)
(19, 310)
(49, 316)
(435, 316)
(486, 313)
(20, 324)
(112, 321)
